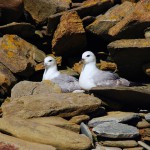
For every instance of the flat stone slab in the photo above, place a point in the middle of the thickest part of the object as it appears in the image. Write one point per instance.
(116, 116)
(116, 130)
(54, 104)
(147, 117)
(130, 96)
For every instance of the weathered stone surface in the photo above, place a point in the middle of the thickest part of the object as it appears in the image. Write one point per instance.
(12, 12)
(23, 55)
(147, 117)
(7, 80)
(99, 147)
(83, 11)
(21, 29)
(121, 144)
(103, 23)
(135, 148)
(145, 134)
(57, 121)
(116, 130)
(26, 88)
(71, 30)
(79, 119)
(130, 67)
(52, 135)
(104, 65)
(12, 143)
(116, 116)
(54, 104)
(45, 7)
(143, 124)
(130, 96)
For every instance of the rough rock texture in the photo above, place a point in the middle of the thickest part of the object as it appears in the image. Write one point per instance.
(12, 143)
(99, 147)
(147, 117)
(7, 80)
(116, 130)
(11, 12)
(116, 116)
(57, 121)
(71, 30)
(26, 88)
(79, 119)
(131, 67)
(135, 148)
(121, 144)
(23, 55)
(39, 133)
(145, 134)
(45, 7)
(143, 124)
(21, 29)
(54, 104)
(130, 96)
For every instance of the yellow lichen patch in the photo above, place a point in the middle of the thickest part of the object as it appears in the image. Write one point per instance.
(104, 65)
(10, 54)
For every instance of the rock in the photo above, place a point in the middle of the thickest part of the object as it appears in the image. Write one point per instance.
(71, 30)
(77, 67)
(70, 72)
(114, 116)
(35, 132)
(129, 67)
(146, 69)
(133, 1)
(143, 124)
(135, 148)
(104, 23)
(21, 29)
(145, 134)
(126, 95)
(7, 80)
(57, 121)
(79, 119)
(11, 12)
(54, 104)
(90, 9)
(99, 147)
(116, 130)
(12, 143)
(14, 49)
(46, 8)
(121, 144)
(26, 88)
(109, 66)
(147, 117)
(147, 32)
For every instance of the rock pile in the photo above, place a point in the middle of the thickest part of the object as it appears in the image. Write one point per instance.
(37, 115)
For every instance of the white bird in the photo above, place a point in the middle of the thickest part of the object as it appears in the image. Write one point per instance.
(91, 76)
(66, 82)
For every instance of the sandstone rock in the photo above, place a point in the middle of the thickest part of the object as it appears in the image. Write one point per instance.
(7, 80)
(116, 116)
(71, 30)
(116, 130)
(52, 135)
(145, 134)
(23, 55)
(109, 66)
(130, 67)
(54, 104)
(57, 121)
(133, 1)
(121, 144)
(77, 67)
(103, 23)
(147, 117)
(143, 124)
(45, 7)
(21, 29)
(130, 96)
(26, 88)
(79, 119)
(90, 9)
(99, 147)
(12, 143)
(11, 12)
(135, 148)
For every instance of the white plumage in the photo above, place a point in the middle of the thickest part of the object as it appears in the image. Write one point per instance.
(91, 76)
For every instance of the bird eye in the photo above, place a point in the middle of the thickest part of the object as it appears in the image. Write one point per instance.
(50, 60)
(88, 56)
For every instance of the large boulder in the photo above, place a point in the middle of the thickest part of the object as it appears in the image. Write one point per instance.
(50, 135)
(54, 104)
(18, 55)
(11, 10)
(26, 88)
(69, 37)
(40, 10)
(130, 58)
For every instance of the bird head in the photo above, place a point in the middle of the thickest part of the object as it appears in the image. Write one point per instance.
(88, 57)
(49, 62)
